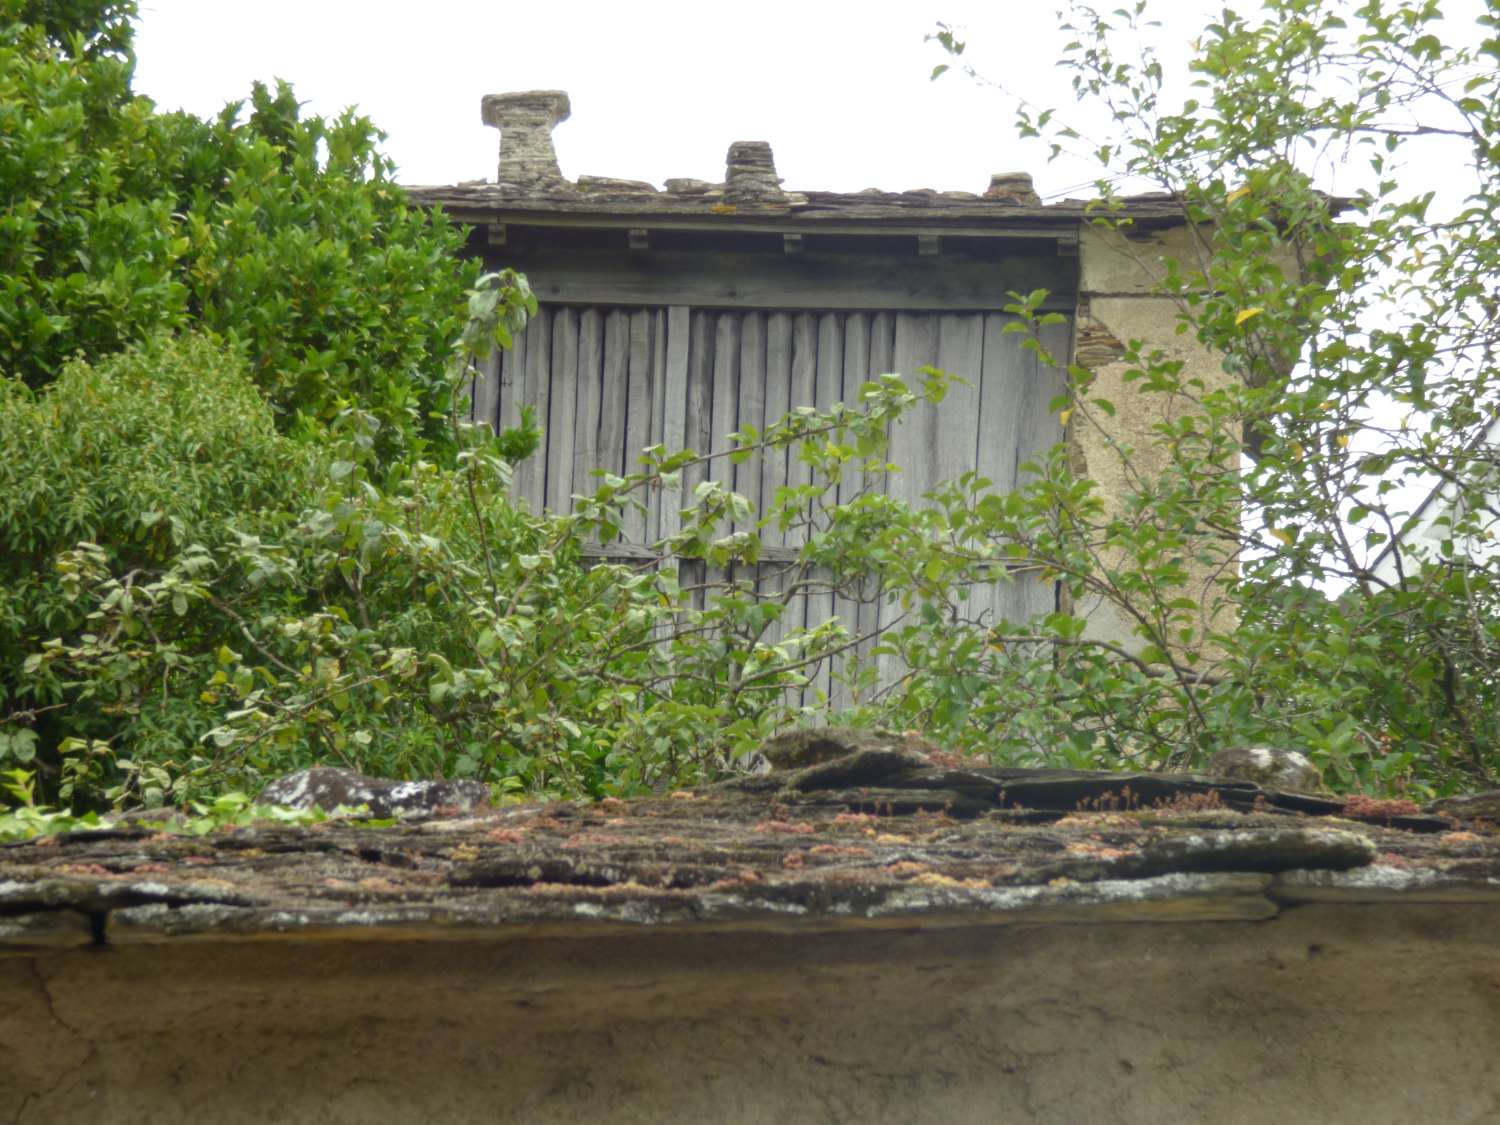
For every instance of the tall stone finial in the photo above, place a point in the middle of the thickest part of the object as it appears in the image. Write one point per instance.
(1013, 187)
(525, 121)
(751, 173)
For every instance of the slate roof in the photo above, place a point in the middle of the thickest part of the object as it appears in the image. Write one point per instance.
(813, 210)
(877, 834)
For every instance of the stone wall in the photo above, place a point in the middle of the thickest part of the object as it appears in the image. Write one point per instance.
(1116, 304)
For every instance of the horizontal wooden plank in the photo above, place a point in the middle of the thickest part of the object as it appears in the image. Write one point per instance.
(873, 220)
(823, 282)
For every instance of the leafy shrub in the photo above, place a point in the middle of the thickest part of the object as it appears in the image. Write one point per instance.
(140, 456)
(414, 623)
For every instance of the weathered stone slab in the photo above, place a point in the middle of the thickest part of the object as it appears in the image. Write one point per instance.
(47, 929)
(1384, 883)
(329, 788)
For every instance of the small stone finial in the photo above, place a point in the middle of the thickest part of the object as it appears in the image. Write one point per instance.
(525, 121)
(751, 172)
(1013, 187)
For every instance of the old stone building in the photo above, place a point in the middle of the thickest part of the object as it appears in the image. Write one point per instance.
(679, 316)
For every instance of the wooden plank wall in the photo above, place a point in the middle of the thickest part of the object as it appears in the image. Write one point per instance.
(608, 382)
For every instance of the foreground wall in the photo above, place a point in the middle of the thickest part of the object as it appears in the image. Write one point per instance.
(1325, 1013)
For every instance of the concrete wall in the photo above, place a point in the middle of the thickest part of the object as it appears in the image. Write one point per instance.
(1326, 1013)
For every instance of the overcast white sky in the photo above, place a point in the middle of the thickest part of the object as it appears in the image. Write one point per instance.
(659, 87)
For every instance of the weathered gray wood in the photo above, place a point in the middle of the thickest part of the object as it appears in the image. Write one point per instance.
(701, 363)
(726, 393)
(855, 352)
(512, 383)
(778, 402)
(801, 392)
(1017, 424)
(857, 371)
(751, 413)
(808, 281)
(587, 418)
(610, 381)
(955, 422)
(531, 474)
(830, 381)
(675, 406)
(1015, 421)
(804, 360)
(485, 390)
(656, 420)
(912, 436)
(641, 392)
(819, 607)
(562, 410)
(882, 343)
(916, 340)
(866, 353)
(614, 409)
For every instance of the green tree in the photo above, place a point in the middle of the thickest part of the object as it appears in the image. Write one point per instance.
(1365, 332)
(283, 234)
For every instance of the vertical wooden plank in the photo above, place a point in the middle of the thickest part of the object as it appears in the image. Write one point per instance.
(702, 362)
(752, 402)
(914, 433)
(561, 414)
(953, 426)
(882, 344)
(882, 360)
(726, 392)
(590, 400)
(1020, 597)
(857, 371)
(614, 410)
(1008, 369)
(912, 438)
(817, 608)
(513, 389)
(675, 400)
(830, 378)
(659, 501)
(531, 474)
(485, 390)
(636, 435)
(747, 474)
(773, 463)
(724, 420)
(778, 382)
(804, 359)
(1017, 425)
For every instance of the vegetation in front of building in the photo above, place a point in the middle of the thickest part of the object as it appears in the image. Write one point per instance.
(243, 527)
